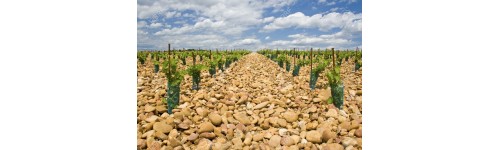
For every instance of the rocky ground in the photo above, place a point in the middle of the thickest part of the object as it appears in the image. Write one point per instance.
(252, 105)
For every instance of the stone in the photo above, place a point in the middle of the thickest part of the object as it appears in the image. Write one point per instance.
(282, 132)
(358, 133)
(352, 92)
(161, 108)
(215, 119)
(219, 96)
(274, 141)
(287, 141)
(327, 135)
(343, 113)
(205, 127)
(174, 142)
(183, 125)
(331, 113)
(295, 138)
(257, 137)
(345, 125)
(303, 141)
(237, 143)
(354, 124)
(149, 108)
(149, 141)
(161, 135)
(148, 134)
(204, 144)
(333, 146)
(192, 137)
(265, 124)
(178, 115)
(350, 147)
(156, 145)
(242, 118)
(141, 143)
(202, 112)
(313, 136)
(208, 135)
(173, 133)
(153, 118)
(313, 109)
(324, 95)
(347, 141)
(162, 127)
(311, 125)
(282, 122)
(290, 116)
(248, 139)
(261, 105)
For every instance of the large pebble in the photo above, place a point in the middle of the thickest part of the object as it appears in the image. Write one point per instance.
(206, 127)
(215, 119)
(313, 136)
(290, 116)
(162, 127)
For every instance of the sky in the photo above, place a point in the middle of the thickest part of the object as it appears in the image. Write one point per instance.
(248, 24)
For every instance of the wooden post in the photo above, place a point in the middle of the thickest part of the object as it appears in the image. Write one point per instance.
(210, 54)
(169, 68)
(293, 54)
(333, 57)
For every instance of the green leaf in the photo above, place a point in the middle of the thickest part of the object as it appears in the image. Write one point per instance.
(330, 100)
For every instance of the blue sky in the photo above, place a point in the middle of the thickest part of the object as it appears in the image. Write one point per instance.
(249, 24)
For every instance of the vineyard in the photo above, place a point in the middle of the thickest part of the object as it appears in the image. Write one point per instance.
(238, 99)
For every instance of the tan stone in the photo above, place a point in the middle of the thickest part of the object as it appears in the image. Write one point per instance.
(287, 141)
(314, 136)
(162, 127)
(274, 141)
(215, 119)
(290, 116)
(205, 127)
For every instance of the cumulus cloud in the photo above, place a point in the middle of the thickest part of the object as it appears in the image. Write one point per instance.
(326, 2)
(155, 25)
(212, 17)
(230, 24)
(322, 22)
(321, 41)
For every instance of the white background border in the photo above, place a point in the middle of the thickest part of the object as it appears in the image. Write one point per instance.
(68, 76)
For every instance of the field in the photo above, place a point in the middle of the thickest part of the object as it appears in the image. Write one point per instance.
(245, 100)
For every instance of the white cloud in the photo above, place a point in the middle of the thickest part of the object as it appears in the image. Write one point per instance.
(296, 36)
(211, 17)
(326, 2)
(268, 19)
(221, 24)
(322, 22)
(155, 25)
(248, 41)
(171, 14)
(141, 32)
(322, 41)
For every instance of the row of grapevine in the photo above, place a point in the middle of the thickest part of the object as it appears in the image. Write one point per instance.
(322, 60)
(171, 61)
